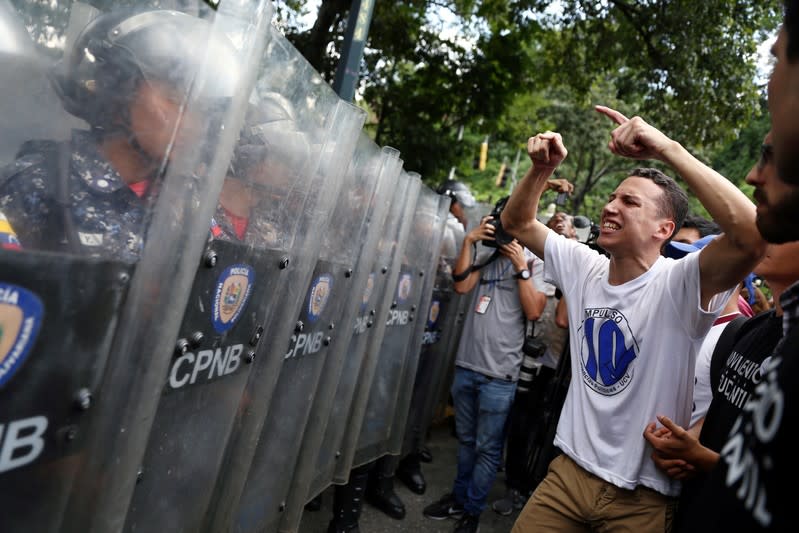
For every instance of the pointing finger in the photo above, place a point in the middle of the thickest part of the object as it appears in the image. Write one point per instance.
(612, 114)
(669, 423)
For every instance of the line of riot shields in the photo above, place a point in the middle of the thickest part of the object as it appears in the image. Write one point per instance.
(217, 294)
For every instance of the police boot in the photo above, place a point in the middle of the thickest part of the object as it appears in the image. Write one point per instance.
(348, 502)
(409, 472)
(380, 493)
(424, 454)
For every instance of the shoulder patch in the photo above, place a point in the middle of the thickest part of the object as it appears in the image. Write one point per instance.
(20, 320)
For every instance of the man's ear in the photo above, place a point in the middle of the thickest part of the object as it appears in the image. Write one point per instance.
(665, 229)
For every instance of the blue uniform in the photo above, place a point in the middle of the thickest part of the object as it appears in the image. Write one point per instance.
(98, 214)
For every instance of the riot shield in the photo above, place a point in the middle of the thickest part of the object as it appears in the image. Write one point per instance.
(324, 322)
(333, 127)
(392, 353)
(441, 313)
(474, 215)
(279, 176)
(326, 407)
(230, 311)
(441, 337)
(103, 226)
(431, 217)
(389, 260)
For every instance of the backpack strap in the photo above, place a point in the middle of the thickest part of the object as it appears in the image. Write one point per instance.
(724, 346)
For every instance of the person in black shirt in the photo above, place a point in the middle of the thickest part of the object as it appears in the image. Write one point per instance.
(741, 370)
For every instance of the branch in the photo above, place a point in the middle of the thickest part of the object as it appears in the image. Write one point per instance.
(314, 48)
(631, 13)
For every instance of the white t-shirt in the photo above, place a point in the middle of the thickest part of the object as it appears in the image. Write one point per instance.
(702, 390)
(633, 352)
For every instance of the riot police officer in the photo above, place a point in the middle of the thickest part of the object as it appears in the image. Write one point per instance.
(259, 176)
(127, 75)
(461, 198)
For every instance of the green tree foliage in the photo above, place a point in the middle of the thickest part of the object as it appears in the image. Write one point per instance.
(691, 64)
(734, 159)
(688, 67)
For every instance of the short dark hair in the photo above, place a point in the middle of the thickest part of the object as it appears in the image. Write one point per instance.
(704, 226)
(791, 26)
(673, 203)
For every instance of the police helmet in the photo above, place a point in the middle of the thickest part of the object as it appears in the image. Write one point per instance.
(458, 191)
(270, 137)
(117, 51)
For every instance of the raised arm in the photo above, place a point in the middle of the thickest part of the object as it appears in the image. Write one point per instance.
(546, 151)
(532, 300)
(728, 259)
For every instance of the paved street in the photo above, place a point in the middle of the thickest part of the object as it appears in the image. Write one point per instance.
(439, 475)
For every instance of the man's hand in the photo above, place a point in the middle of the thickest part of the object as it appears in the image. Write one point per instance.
(514, 251)
(560, 185)
(634, 138)
(546, 150)
(485, 231)
(674, 468)
(676, 450)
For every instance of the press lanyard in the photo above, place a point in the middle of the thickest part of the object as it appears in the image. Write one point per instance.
(501, 277)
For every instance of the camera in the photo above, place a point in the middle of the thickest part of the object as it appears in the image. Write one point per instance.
(500, 235)
(533, 347)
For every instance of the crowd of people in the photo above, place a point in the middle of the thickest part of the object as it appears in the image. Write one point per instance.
(681, 394)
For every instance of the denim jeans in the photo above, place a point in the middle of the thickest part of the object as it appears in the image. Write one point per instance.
(482, 405)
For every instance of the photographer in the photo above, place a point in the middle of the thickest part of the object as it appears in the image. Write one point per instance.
(487, 363)
(527, 421)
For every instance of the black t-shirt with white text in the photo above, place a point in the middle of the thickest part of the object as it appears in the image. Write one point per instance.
(750, 487)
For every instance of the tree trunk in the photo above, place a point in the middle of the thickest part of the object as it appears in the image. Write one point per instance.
(314, 46)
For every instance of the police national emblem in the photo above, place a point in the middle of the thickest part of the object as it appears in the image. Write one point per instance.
(367, 293)
(318, 296)
(233, 289)
(20, 320)
(404, 287)
(435, 310)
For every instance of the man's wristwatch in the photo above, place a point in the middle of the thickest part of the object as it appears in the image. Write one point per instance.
(524, 274)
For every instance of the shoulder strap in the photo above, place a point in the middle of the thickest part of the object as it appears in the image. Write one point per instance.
(56, 161)
(457, 277)
(723, 348)
(63, 160)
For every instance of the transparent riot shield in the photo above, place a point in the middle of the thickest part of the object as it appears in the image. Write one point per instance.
(392, 353)
(474, 215)
(105, 213)
(421, 377)
(440, 341)
(431, 217)
(340, 453)
(325, 321)
(333, 127)
(283, 181)
(345, 356)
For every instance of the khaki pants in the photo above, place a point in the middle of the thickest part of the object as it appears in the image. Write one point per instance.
(570, 499)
